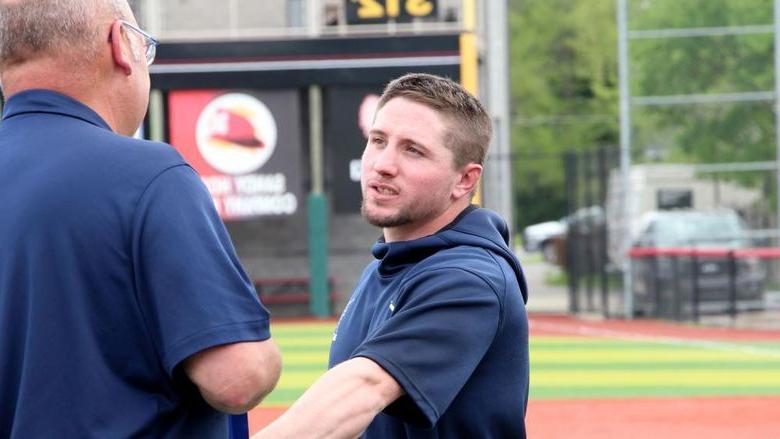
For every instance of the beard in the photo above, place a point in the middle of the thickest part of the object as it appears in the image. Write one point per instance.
(400, 218)
(417, 212)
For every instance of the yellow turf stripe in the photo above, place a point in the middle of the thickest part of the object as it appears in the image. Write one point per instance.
(315, 343)
(304, 357)
(691, 378)
(298, 379)
(634, 355)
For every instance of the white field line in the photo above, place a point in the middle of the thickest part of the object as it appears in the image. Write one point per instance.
(659, 339)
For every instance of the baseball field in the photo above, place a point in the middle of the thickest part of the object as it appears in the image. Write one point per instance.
(607, 379)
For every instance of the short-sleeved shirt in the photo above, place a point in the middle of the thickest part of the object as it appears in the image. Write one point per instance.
(445, 316)
(114, 267)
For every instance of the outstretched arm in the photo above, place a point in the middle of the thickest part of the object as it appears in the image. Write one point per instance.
(340, 404)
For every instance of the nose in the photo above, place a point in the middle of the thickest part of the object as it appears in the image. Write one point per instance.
(385, 161)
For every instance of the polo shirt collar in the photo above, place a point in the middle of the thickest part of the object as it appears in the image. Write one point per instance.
(47, 101)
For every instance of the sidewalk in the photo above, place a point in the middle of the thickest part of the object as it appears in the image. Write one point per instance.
(543, 298)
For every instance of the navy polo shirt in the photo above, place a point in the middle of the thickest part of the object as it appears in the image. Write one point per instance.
(114, 267)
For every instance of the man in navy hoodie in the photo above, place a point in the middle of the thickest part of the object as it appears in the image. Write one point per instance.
(434, 341)
(124, 311)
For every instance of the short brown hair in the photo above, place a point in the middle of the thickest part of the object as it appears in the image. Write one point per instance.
(470, 126)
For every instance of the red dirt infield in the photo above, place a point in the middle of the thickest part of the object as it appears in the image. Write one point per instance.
(567, 326)
(653, 418)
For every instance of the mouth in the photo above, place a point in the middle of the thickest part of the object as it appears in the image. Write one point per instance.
(383, 190)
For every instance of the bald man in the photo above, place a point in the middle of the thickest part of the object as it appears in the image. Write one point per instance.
(124, 311)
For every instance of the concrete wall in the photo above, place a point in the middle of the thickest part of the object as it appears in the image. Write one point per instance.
(208, 19)
(180, 15)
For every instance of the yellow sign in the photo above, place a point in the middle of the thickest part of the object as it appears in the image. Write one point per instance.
(379, 11)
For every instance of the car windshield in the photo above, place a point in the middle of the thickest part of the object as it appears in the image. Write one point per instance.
(700, 229)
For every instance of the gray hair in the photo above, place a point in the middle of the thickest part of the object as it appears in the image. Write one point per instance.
(32, 28)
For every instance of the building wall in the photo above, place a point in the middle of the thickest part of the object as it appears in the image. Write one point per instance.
(198, 15)
(206, 19)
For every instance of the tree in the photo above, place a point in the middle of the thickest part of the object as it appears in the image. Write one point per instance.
(564, 94)
(704, 133)
(565, 97)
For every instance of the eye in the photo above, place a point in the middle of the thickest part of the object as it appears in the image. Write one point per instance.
(376, 140)
(414, 150)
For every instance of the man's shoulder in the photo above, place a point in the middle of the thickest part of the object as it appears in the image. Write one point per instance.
(463, 257)
(139, 155)
(135, 147)
(465, 265)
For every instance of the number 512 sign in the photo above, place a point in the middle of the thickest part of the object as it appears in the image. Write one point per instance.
(382, 11)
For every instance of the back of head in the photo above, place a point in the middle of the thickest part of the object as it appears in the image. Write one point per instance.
(469, 123)
(34, 29)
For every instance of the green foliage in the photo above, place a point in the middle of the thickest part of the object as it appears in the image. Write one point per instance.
(565, 94)
(705, 133)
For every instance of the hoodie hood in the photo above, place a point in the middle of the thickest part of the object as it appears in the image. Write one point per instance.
(475, 227)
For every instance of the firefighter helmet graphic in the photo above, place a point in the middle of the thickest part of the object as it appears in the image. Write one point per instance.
(236, 133)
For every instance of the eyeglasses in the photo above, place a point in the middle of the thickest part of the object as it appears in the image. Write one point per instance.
(150, 42)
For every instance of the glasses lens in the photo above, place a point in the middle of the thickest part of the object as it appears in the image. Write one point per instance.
(151, 51)
(150, 44)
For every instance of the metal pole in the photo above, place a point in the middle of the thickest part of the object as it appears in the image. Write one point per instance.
(656, 286)
(297, 16)
(469, 63)
(587, 222)
(498, 172)
(233, 18)
(314, 22)
(318, 211)
(732, 260)
(572, 257)
(777, 109)
(151, 17)
(625, 152)
(602, 235)
(156, 116)
(677, 293)
(695, 286)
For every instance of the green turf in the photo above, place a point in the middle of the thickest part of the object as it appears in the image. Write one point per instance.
(577, 367)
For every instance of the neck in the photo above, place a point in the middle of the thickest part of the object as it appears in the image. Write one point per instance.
(82, 86)
(415, 231)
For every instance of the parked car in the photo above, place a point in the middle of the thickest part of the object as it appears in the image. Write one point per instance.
(540, 237)
(550, 237)
(658, 278)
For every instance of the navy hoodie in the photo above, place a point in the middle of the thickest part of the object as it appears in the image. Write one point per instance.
(445, 316)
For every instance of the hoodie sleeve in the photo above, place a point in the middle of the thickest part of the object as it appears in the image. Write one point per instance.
(438, 332)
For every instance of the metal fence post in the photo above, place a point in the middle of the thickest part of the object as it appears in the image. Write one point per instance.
(587, 222)
(677, 294)
(732, 260)
(602, 173)
(695, 286)
(656, 286)
(570, 164)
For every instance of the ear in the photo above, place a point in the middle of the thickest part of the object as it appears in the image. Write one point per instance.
(469, 178)
(121, 53)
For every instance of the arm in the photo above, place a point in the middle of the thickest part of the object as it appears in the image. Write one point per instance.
(234, 378)
(340, 404)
